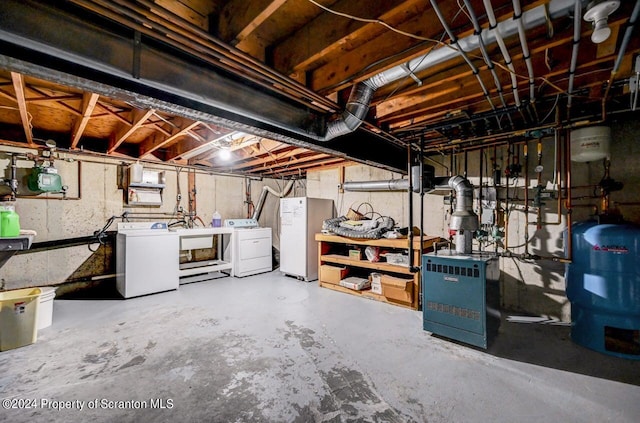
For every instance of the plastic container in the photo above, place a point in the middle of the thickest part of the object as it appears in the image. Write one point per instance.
(45, 311)
(9, 223)
(135, 173)
(216, 222)
(19, 317)
(589, 144)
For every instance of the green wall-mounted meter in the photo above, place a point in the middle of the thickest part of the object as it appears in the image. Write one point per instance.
(44, 179)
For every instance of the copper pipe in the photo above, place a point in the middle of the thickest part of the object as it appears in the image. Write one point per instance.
(605, 195)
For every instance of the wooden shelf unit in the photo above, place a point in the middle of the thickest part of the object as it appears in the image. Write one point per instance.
(328, 243)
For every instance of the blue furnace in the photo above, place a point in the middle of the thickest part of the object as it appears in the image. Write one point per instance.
(461, 296)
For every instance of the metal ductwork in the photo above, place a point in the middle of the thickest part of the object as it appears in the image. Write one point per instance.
(361, 95)
(263, 196)
(426, 180)
(354, 113)
(463, 220)
(368, 186)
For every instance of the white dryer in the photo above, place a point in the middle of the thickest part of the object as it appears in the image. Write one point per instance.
(251, 247)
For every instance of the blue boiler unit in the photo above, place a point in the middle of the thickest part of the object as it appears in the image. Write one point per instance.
(603, 285)
(461, 296)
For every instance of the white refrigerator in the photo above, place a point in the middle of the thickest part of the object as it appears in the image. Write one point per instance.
(300, 219)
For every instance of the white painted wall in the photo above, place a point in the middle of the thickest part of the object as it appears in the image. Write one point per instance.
(536, 287)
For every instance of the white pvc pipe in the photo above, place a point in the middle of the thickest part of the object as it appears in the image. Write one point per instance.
(577, 22)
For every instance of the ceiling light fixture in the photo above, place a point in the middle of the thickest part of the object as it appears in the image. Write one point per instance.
(597, 12)
(224, 154)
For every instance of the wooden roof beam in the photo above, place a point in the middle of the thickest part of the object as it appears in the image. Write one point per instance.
(25, 117)
(8, 96)
(157, 141)
(329, 35)
(189, 146)
(293, 161)
(328, 163)
(89, 101)
(107, 109)
(339, 73)
(55, 98)
(59, 102)
(272, 157)
(239, 18)
(125, 130)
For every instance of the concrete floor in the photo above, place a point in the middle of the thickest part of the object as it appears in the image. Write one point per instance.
(269, 348)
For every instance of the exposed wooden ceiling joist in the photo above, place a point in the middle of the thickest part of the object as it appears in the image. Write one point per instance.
(89, 101)
(245, 88)
(25, 117)
(138, 118)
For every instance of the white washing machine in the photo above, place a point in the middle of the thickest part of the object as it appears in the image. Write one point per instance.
(251, 247)
(147, 258)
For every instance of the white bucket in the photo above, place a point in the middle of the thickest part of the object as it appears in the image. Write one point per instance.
(45, 310)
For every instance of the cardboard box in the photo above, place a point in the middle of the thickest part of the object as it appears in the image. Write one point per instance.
(355, 254)
(376, 285)
(355, 283)
(397, 289)
(332, 274)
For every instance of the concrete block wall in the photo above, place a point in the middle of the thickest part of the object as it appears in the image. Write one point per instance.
(535, 287)
(102, 197)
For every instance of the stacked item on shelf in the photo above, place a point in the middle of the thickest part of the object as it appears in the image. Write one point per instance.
(356, 283)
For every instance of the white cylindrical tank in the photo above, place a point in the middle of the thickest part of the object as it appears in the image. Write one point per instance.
(589, 144)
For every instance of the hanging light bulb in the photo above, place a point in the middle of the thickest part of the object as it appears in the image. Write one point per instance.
(224, 154)
(597, 12)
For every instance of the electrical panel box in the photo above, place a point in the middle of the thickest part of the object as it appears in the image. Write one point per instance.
(461, 296)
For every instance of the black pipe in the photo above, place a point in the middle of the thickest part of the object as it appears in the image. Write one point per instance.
(421, 155)
(410, 193)
(466, 154)
(13, 183)
(480, 192)
(68, 242)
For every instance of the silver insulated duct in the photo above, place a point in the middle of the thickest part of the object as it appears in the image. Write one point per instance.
(360, 98)
(463, 220)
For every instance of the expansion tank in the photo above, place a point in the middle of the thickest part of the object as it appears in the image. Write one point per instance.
(603, 285)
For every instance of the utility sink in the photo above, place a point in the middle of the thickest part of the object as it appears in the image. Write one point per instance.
(10, 246)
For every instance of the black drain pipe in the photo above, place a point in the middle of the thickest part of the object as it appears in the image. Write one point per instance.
(421, 156)
(410, 193)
